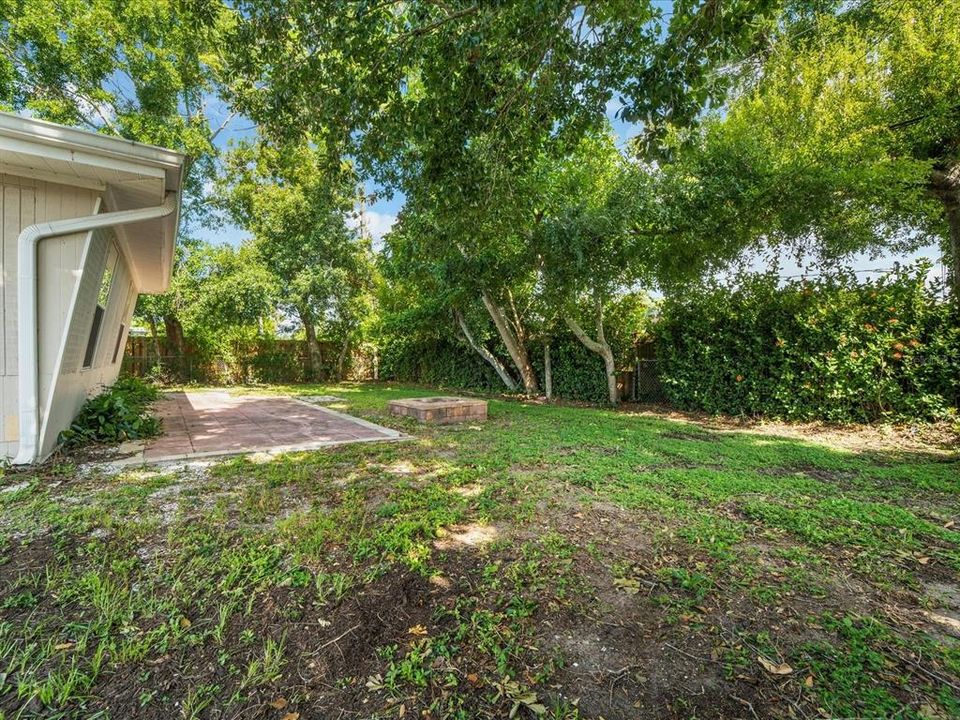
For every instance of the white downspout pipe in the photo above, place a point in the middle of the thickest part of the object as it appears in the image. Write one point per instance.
(28, 382)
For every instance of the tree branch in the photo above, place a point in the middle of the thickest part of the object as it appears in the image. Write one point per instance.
(483, 352)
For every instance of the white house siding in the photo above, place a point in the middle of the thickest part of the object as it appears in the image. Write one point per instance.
(24, 202)
(75, 383)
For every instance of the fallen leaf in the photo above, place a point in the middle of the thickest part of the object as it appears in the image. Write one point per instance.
(279, 704)
(185, 623)
(774, 668)
(809, 681)
(417, 630)
(473, 678)
(402, 711)
(63, 646)
(932, 712)
(923, 560)
(944, 620)
(950, 524)
(291, 716)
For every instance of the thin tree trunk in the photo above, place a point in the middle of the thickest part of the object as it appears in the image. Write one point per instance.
(342, 357)
(953, 222)
(602, 348)
(154, 334)
(945, 185)
(483, 352)
(313, 347)
(547, 372)
(516, 349)
(184, 368)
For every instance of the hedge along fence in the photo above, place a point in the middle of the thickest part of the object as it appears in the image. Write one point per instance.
(833, 349)
(262, 361)
(578, 374)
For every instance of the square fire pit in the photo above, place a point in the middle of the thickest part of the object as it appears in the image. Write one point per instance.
(441, 410)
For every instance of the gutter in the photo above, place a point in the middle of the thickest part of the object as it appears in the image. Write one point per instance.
(73, 139)
(28, 381)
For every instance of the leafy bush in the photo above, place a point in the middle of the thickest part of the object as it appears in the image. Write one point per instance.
(440, 362)
(427, 350)
(121, 412)
(578, 374)
(833, 349)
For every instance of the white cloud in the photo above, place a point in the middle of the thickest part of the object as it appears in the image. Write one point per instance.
(379, 224)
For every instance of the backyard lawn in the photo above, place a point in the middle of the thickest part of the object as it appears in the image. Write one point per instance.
(564, 562)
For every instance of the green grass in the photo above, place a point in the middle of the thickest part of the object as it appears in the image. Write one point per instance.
(497, 539)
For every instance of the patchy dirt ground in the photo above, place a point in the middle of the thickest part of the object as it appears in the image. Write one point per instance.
(934, 438)
(555, 562)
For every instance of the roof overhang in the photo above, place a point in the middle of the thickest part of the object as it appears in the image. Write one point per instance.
(129, 175)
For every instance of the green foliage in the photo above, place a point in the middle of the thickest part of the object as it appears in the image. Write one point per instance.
(121, 412)
(141, 69)
(828, 349)
(438, 362)
(298, 200)
(577, 373)
(460, 108)
(846, 139)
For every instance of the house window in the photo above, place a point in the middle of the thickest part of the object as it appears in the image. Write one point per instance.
(116, 348)
(103, 296)
(94, 336)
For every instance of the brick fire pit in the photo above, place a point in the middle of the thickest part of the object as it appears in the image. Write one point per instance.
(441, 410)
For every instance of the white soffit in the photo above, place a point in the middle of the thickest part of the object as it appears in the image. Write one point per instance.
(130, 175)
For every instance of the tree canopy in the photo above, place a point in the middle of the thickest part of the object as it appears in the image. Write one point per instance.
(821, 126)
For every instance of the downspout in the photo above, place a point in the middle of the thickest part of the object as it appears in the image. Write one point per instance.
(28, 382)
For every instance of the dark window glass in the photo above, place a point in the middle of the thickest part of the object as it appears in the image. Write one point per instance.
(116, 349)
(94, 336)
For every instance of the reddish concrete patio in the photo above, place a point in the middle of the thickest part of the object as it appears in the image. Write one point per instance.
(210, 423)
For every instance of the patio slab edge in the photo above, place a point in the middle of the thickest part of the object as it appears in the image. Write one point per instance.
(139, 459)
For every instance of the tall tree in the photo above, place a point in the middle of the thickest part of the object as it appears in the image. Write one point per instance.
(144, 70)
(297, 203)
(583, 242)
(846, 139)
(452, 103)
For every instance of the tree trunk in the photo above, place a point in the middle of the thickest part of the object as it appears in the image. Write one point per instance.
(602, 348)
(547, 372)
(953, 222)
(945, 185)
(156, 340)
(517, 350)
(175, 334)
(342, 357)
(483, 352)
(313, 347)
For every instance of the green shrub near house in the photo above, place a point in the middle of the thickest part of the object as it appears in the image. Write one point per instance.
(832, 349)
(121, 412)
